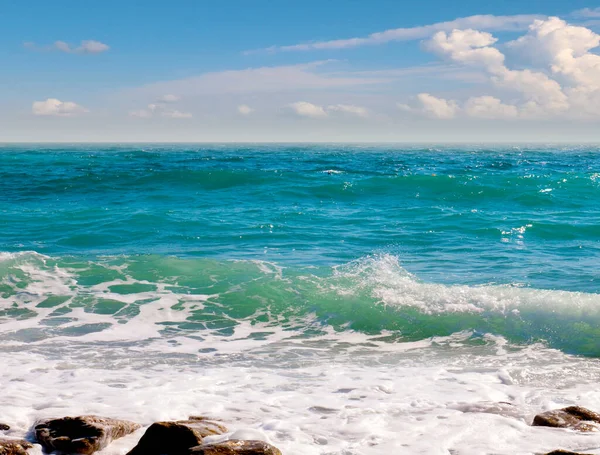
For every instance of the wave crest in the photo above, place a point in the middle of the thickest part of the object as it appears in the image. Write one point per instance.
(160, 298)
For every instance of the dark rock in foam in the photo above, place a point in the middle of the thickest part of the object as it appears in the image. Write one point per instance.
(174, 438)
(4, 427)
(573, 417)
(236, 447)
(83, 434)
(14, 446)
(565, 452)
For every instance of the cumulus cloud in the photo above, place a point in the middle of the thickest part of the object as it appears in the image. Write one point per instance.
(85, 47)
(244, 109)
(349, 109)
(566, 48)
(161, 108)
(305, 109)
(542, 95)
(160, 111)
(91, 47)
(56, 108)
(564, 79)
(470, 47)
(481, 22)
(481, 107)
(568, 51)
(489, 107)
(434, 107)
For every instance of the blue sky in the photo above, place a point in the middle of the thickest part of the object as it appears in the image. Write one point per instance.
(290, 70)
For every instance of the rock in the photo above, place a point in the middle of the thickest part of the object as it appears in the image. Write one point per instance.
(14, 446)
(173, 438)
(236, 447)
(4, 427)
(574, 417)
(84, 434)
(565, 452)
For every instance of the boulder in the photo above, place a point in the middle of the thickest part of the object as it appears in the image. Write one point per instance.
(4, 427)
(236, 447)
(14, 446)
(83, 434)
(573, 417)
(174, 438)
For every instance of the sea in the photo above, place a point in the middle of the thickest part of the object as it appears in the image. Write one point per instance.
(330, 299)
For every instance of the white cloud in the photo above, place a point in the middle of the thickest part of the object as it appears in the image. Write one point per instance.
(56, 108)
(305, 109)
(431, 106)
(160, 108)
(554, 35)
(244, 109)
(91, 47)
(470, 47)
(566, 48)
(349, 109)
(482, 22)
(489, 107)
(541, 94)
(437, 107)
(567, 51)
(563, 80)
(587, 13)
(85, 47)
(154, 109)
(482, 107)
(61, 46)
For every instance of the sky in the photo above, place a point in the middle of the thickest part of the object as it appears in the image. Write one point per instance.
(299, 71)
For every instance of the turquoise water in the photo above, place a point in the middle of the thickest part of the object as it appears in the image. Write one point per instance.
(405, 242)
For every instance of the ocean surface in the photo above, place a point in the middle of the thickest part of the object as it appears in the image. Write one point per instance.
(330, 299)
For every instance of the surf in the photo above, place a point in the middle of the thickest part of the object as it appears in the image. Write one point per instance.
(154, 297)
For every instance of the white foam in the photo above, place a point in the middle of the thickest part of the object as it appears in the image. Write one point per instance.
(393, 402)
(384, 277)
(333, 393)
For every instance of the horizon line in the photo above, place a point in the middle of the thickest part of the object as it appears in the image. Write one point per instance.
(594, 142)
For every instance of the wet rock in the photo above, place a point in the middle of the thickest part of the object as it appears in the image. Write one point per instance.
(174, 438)
(565, 452)
(236, 447)
(574, 417)
(4, 427)
(83, 434)
(14, 446)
